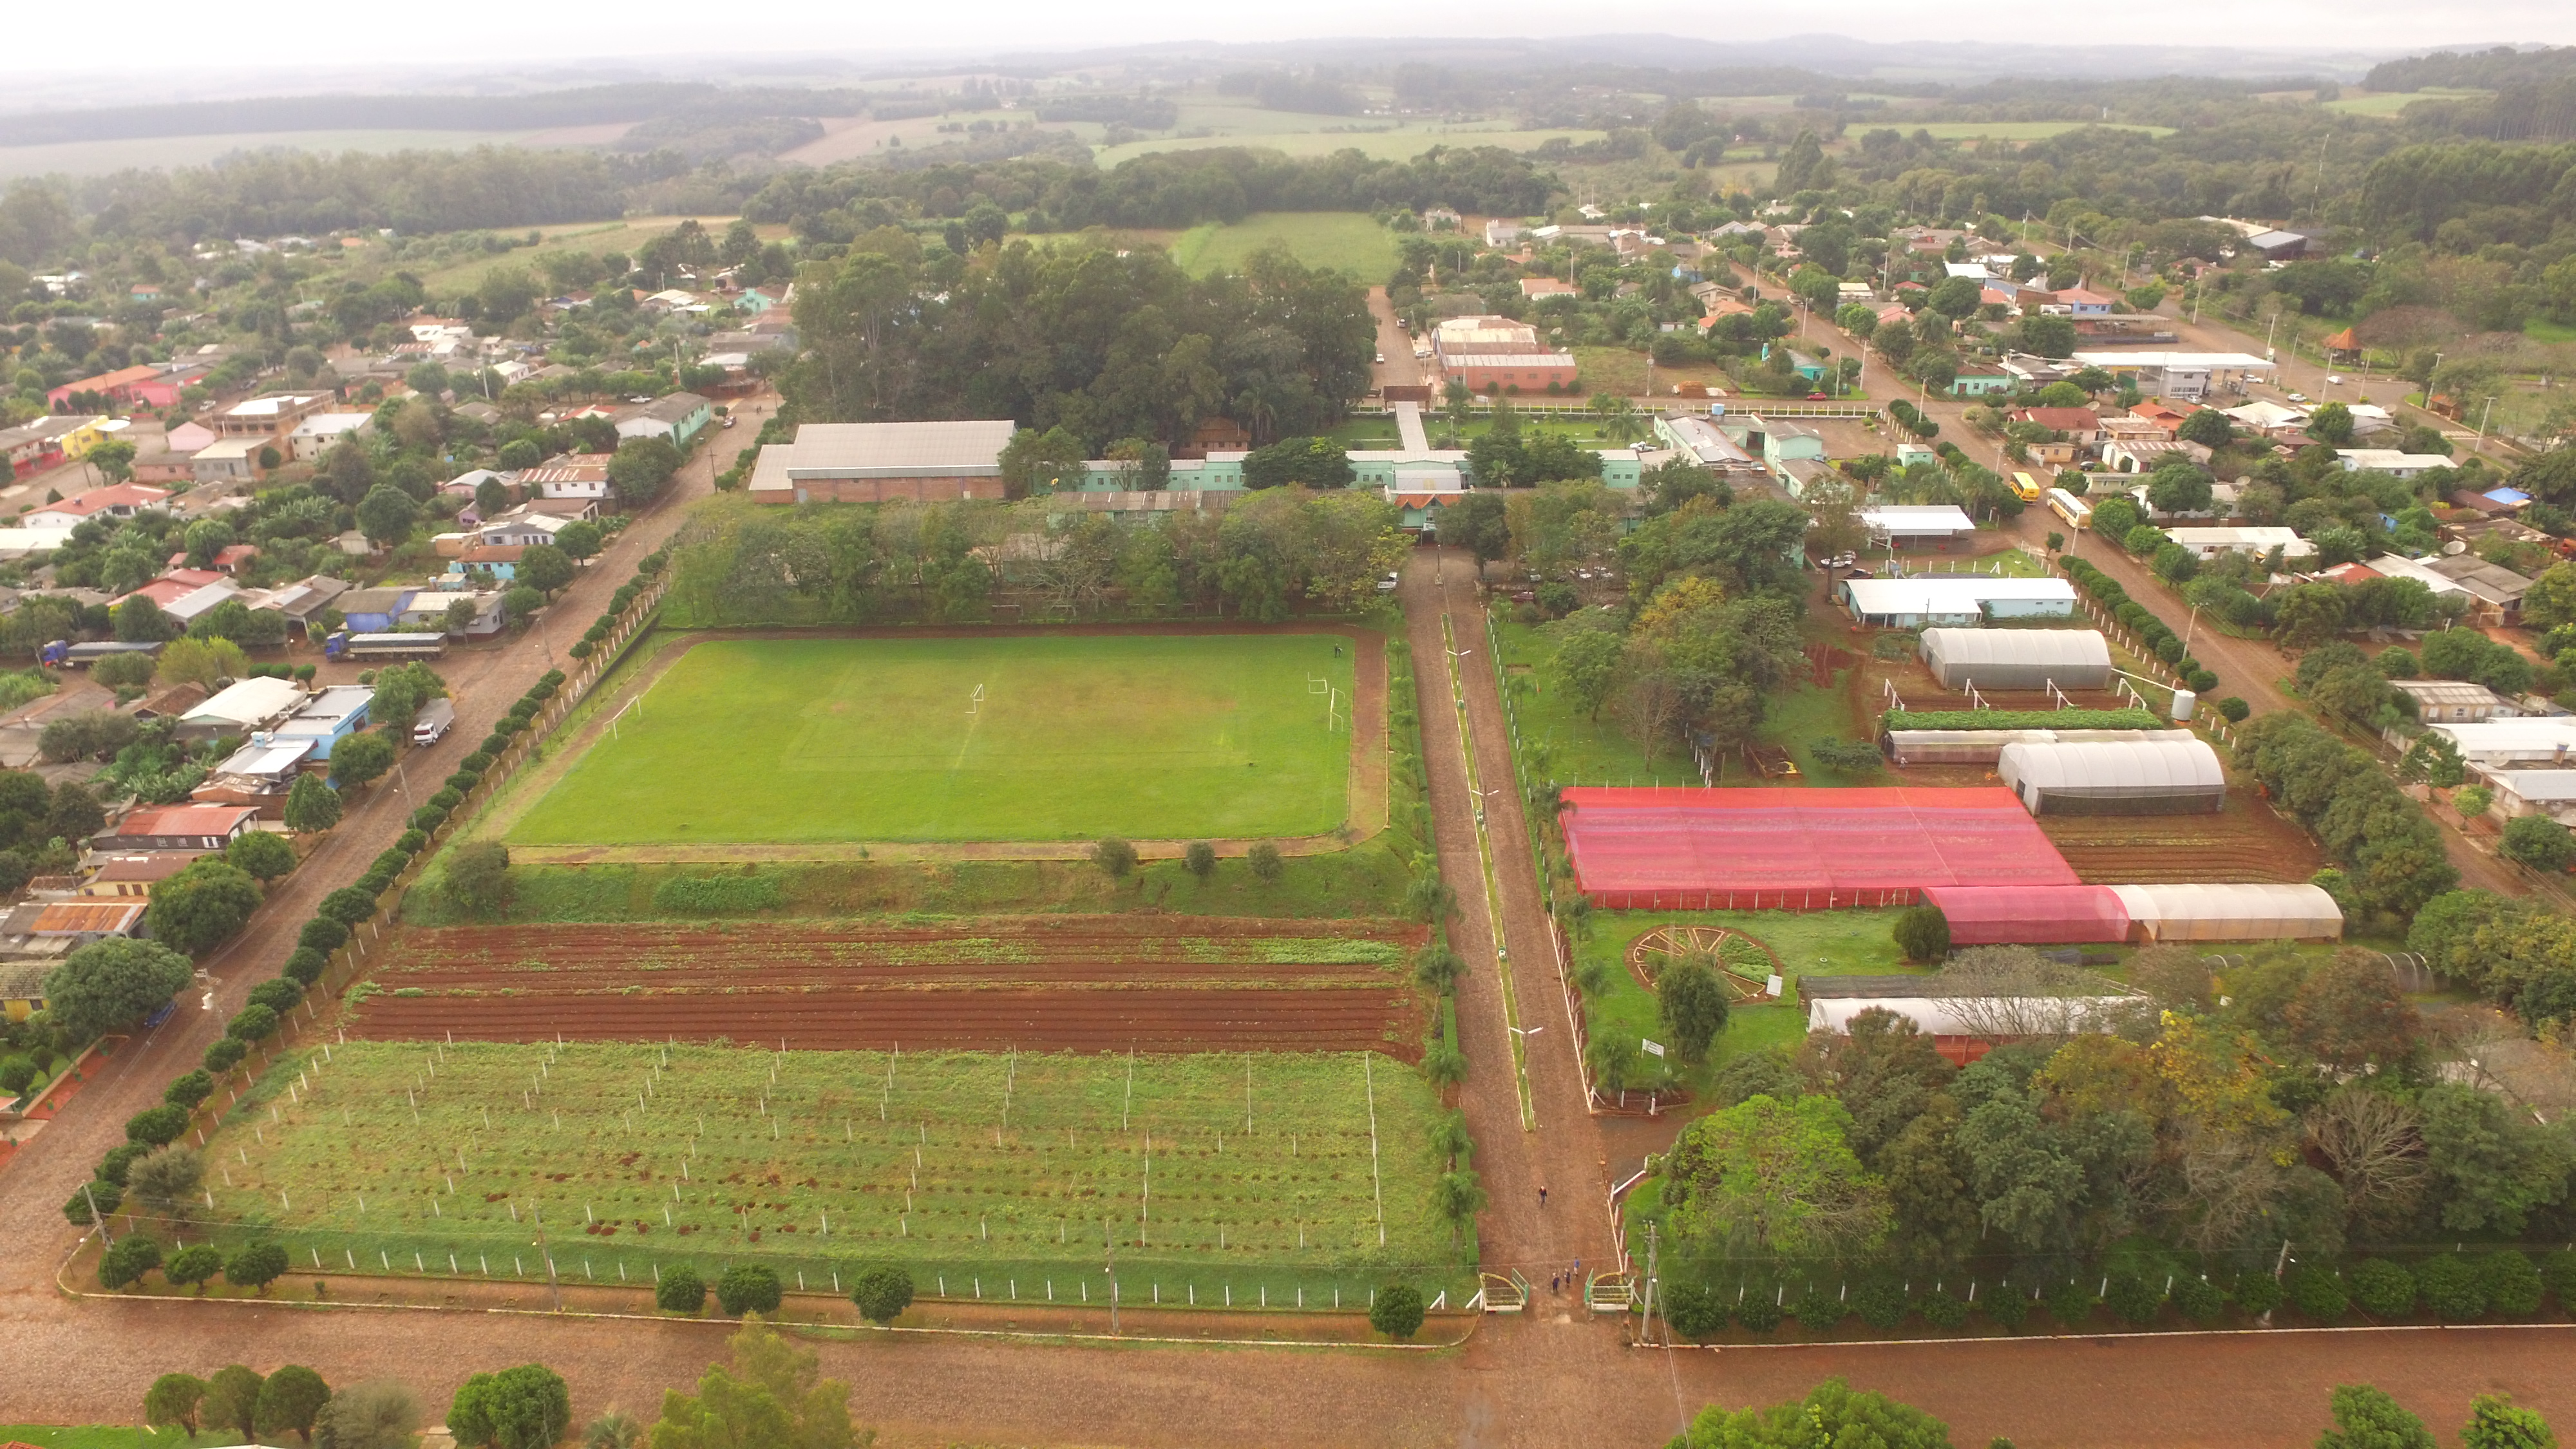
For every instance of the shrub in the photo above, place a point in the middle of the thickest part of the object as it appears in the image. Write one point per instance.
(493, 744)
(1396, 1311)
(1880, 1302)
(2540, 843)
(1266, 865)
(1758, 1312)
(2132, 1299)
(882, 1292)
(447, 799)
(2559, 1271)
(2199, 1300)
(325, 936)
(428, 817)
(1694, 1310)
(1817, 1310)
(252, 1023)
(188, 1089)
(348, 905)
(1114, 856)
(112, 1167)
(681, 1291)
(388, 863)
(2514, 1287)
(748, 1288)
(1922, 933)
(2382, 1288)
(2008, 1308)
(2234, 710)
(478, 762)
(125, 1264)
(160, 1126)
(2019, 719)
(1200, 859)
(279, 994)
(462, 781)
(2453, 1287)
(1942, 1309)
(107, 1195)
(225, 1053)
(255, 1266)
(2070, 1303)
(2317, 1293)
(2257, 1294)
(412, 842)
(2201, 681)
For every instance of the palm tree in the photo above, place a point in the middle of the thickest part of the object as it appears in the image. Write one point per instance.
(1618, 417)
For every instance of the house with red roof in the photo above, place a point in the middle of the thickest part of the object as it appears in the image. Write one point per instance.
(122, 500)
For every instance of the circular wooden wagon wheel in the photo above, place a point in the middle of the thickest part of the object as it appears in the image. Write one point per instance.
(1746, 964)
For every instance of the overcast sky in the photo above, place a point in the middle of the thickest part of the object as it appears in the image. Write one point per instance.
(515, 33)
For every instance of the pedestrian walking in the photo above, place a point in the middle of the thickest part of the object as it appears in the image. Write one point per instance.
(1542, 1195)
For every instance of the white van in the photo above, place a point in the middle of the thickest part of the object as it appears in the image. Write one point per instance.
(434, 720)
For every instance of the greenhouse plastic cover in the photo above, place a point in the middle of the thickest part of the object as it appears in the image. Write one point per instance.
(2149, 764)
(1675, 848)
(2045, 915)
(2233, 912)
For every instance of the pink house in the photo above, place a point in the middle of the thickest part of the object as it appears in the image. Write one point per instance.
(138, 386)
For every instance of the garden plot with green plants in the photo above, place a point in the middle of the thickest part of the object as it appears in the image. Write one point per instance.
(1264, 1180)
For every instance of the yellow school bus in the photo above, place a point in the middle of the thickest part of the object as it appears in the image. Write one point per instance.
(2027, 487)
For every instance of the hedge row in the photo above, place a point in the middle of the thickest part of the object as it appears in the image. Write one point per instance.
(2138, 620)
(329, 929)
(2019, 719)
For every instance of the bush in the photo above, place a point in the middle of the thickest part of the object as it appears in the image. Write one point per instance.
(252, 1023)
(2008, 1308)
(2199, 1300)
(1266, 865)
(2453, 1287)
(428, 817)
(2132, 1299)
(447, 799)
(304, 966)
(2234, 710)
(748, 1288)
(160, 1126)
(1942, 1309)
(122, 1156)
(2317, 1293)
(348, 905)
(882, 1292)
(2201, 681)
(2071, 1303)
(279, 994)
(1758, 1312)
(477, 762)
(681, 1291)
(1817, 1310)
(412, 842)
(2513, 1285)
(2559, 1271)
(325, 936)
(225, 1053)
(2019, 719)
(1694, 1310)
(188, 1089)
(2382, 1288)
(462, 781)
(2257, 1294)
(1922, 933)
(1397, 1311)
(1114, 856)
(1200, 859)
(107, 1195)
(125, 1264)
(493, 744)
(1880, 1302)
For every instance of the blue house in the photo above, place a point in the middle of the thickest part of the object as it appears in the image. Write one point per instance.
(334, 714)
(373, 611)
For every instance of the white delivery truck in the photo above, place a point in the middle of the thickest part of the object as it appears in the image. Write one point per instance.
(433, 721)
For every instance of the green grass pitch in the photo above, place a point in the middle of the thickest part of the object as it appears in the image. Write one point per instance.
(785, 741)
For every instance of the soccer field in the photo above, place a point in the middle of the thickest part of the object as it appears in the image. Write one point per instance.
(1015, 738)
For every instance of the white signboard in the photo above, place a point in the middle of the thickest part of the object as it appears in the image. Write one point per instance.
(1654, 1047)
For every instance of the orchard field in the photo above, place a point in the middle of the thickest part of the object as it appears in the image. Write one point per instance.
(1271, 1178)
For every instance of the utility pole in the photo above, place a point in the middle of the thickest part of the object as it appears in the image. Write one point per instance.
(1648, 1316)
(554, 1289)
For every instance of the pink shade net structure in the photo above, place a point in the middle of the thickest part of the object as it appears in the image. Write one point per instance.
(2050, 915)
(1799, 849)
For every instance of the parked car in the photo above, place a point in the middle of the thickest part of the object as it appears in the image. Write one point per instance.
(1386, 585)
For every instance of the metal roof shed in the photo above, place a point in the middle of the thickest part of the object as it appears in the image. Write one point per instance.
(2231, 912)
(2018, 658)
(2129, 777)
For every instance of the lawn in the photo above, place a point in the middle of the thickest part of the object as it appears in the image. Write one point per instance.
(112, 1436)
(596, 238)
(2390, 103)
(1346, 241)
(1557, 741)
(1810, 943)
(1622, 371)
(1015, 738)
(988, 1173)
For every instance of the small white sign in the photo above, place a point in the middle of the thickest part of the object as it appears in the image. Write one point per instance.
(1651, 1045)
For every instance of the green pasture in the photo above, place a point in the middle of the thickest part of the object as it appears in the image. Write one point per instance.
(1307, 136)
(2391, 103)
(991, 1174)
(1346, 241)
(1009, 738)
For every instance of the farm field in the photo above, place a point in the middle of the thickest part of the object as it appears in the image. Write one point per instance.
(2244, 842)
(1318, 136)
(2025, 130)
(596, 238)
(1347, 241)
(102, 157)
(1079, 983)
(996, 1174)
(992, 738)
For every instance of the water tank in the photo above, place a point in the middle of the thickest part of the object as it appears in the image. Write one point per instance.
(2183, 702)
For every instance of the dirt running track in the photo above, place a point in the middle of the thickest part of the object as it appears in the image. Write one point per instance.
(1543, 1380)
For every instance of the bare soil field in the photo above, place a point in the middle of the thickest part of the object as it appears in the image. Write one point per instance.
(2246, 842)
(1085, 983)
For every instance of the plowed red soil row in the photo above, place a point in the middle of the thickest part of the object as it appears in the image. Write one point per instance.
(1069, 983)
(1156, 1019)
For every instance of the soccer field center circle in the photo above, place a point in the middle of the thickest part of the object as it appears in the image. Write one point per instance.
(1973, 851)
(984, 743)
